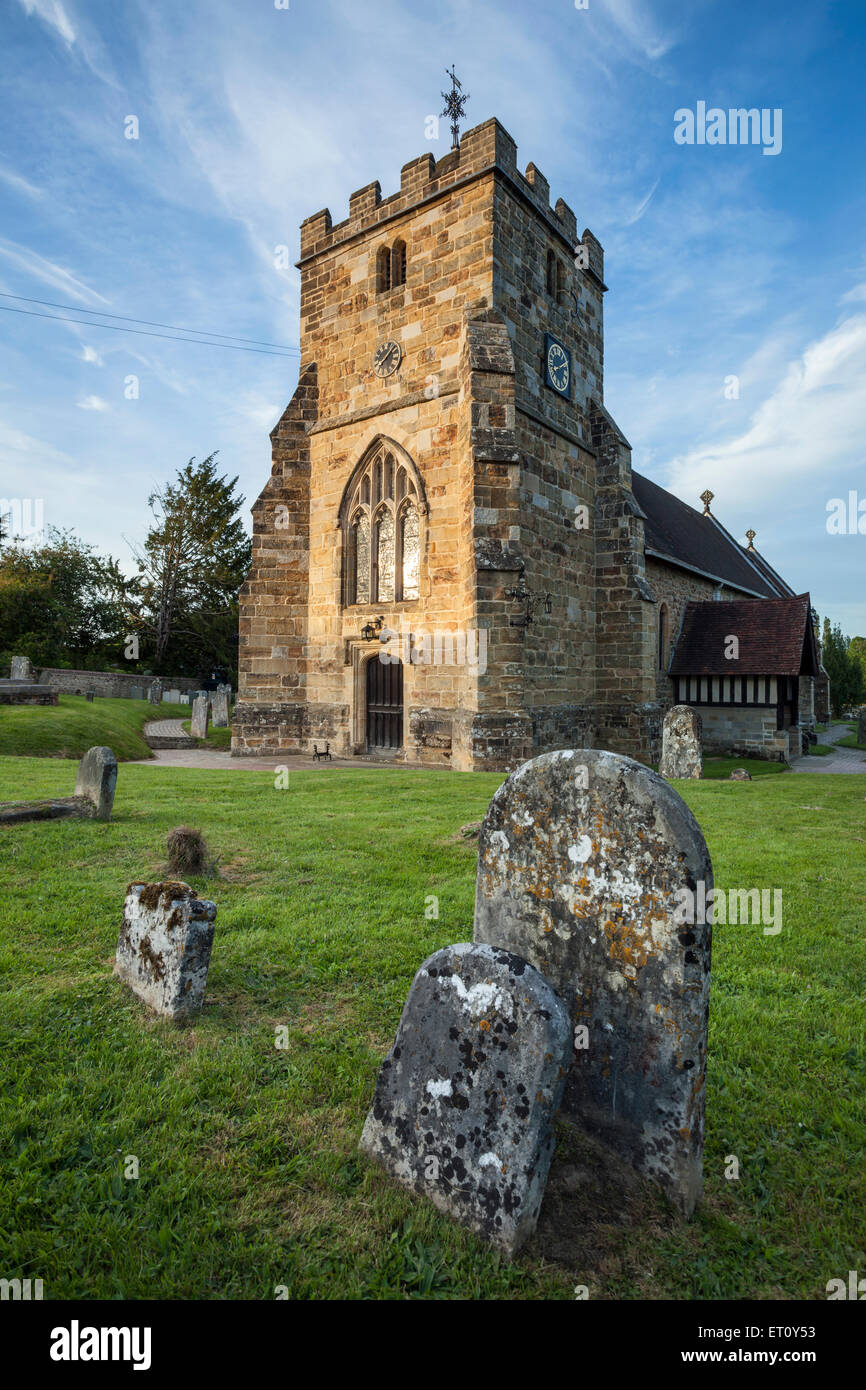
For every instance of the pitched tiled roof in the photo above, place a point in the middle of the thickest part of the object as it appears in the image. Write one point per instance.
(775, 638)
(678, 533)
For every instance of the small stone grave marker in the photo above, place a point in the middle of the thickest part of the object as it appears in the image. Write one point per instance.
(464, 1104)
(220, 709)
(200, 717)
(681, 743)
(164, 948)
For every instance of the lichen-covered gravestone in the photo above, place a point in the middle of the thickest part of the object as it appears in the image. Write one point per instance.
(164, 947)
(464, 1104)
(200, 717)
(97, 779)
(587, 865)
(220, 709)
(681, 743)
(22, 669)
(154, 694)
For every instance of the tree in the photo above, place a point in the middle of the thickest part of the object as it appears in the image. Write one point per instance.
(194, 560)
(857, 650)
(843, 669)
(61, 604)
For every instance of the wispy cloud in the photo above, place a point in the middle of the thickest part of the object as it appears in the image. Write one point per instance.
(812, 424)
(20, 184)
(23, 258)
(52, 14)
(89, 354)
(93, 403)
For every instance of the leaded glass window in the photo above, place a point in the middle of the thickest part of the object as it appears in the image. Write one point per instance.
(382, 533)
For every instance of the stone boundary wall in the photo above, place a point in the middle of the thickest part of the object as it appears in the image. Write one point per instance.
(108, 684)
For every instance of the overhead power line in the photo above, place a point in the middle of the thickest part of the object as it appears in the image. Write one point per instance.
(232, 343)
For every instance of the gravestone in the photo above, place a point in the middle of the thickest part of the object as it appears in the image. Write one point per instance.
(861, 727)
(681, 743)
(184, 698)
(740, 774)
(22, 669)
(464, 1103)
(137, 692)
(200, 717)
(172, 697)
(588, 866)
(164, 947)
(97, 779)
(154, 694)
(89, 697)
(220, 709)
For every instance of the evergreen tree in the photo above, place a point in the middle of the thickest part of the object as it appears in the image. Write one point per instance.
(192, 564)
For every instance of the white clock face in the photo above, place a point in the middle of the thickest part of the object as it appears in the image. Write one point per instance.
(387, 359)
(557, 367)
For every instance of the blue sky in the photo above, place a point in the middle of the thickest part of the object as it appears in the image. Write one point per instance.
(721, 261)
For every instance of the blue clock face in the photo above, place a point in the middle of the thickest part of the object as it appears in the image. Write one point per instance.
(558, 367)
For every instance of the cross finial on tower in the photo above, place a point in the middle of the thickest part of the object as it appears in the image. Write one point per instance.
(750, 536)
(706, 498)
(455, 102)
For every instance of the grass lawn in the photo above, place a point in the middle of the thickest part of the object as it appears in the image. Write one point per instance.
(69, 728)
(850, 741)
(249, 1173)
(715, 768)
(819, 750)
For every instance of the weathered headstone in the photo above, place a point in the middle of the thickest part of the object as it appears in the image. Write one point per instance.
(137, 692)
(220, 709)
(464, 1104)
(861, 727)
(200, 717)
(587, 865)
(154, 694)
(681, 743)
(97, 779)
(740, 774)
(22, 669)
(184, 698)
(164, 947)
(89, 697)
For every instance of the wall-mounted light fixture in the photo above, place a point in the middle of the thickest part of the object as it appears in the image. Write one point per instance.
(530, 602)
(371, 630)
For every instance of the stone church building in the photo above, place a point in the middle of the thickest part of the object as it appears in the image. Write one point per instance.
(453, 560)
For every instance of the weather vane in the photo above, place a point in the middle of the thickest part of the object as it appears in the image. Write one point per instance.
(455, 104)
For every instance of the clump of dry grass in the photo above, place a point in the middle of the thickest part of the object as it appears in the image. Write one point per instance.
(187, 851)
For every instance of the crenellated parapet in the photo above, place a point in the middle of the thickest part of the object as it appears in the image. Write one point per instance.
(487, 146)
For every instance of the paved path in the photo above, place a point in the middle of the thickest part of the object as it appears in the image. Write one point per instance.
(840, 760)
(302, 762)
(167, 734)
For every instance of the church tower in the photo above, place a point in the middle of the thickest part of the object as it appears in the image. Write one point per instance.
(447, 557)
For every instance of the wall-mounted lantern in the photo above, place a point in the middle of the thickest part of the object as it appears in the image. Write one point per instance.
(371, 630)
(530, 602)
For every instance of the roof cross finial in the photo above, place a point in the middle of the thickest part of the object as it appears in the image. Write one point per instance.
(706, 498)
(455, 102)
(750, 536)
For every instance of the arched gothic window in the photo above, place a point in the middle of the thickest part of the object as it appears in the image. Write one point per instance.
(390, 267)
(382, 533)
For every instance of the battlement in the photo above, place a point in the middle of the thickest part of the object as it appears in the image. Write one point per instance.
(485, 147)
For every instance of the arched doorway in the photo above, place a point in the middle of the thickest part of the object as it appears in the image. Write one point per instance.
(384, 711)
